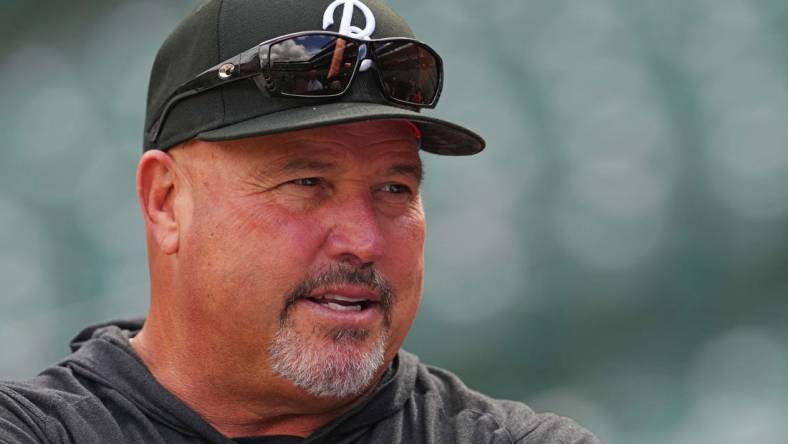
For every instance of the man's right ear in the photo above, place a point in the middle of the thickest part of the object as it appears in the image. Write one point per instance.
(157, 187)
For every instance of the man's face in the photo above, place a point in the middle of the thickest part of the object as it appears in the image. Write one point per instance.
(304, 251)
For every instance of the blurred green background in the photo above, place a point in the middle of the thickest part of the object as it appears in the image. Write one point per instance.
(618, 254)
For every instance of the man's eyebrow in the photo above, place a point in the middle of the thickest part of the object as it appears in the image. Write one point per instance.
(408, 169)
(308, 164)
(413, 170)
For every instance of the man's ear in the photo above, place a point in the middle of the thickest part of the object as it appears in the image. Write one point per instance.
(157, 187)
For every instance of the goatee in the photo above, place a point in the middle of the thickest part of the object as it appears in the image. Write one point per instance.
(336, 366)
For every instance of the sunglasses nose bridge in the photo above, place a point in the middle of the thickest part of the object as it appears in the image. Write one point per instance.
(366, 63)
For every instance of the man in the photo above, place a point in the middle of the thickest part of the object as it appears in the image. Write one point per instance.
(314, 84)
(285, 234)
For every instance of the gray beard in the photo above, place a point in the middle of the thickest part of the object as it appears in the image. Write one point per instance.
(334, 367)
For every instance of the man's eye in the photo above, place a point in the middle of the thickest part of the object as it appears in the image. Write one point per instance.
(394, 193)
(306, 187)
(307, 182)
(396, 188)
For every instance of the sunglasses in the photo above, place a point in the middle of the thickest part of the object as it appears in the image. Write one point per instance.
(317, 64)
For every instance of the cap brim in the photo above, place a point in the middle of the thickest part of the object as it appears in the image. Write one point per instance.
(438, 136)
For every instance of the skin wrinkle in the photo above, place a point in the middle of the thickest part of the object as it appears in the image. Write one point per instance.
(266, 178)
(247, 236)
(286, 161)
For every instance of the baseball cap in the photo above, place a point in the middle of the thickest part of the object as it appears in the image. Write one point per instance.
(219, 29)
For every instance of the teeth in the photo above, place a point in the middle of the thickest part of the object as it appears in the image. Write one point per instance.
(337, 297)
(339, 307)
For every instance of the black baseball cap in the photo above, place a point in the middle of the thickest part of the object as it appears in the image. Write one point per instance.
(219, 29)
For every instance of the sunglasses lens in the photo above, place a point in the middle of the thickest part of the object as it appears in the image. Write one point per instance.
(312, 65)
(409, 72)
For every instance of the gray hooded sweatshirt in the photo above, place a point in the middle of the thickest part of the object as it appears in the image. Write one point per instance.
(103, 393)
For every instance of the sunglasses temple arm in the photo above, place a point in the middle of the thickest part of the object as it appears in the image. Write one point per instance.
(153, 133)
(244, 65)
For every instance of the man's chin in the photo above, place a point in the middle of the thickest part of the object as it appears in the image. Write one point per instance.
(329, 362)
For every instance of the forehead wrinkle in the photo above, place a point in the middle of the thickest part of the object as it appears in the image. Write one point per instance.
(320, 161)
(413, 170)
(300, 164)
(304, 152)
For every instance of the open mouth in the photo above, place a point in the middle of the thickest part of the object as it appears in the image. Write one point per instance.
(342, 303)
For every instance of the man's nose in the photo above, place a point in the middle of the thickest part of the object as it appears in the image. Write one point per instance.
(355, 234)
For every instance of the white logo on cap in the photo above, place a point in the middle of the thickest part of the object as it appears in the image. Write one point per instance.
(345, 26)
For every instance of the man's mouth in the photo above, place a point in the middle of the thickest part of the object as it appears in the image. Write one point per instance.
(346, 303)
(353, 298)
(342, 303)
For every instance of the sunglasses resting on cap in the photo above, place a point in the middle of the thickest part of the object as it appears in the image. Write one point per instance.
(317, 64)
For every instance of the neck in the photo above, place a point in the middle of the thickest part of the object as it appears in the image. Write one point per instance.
(228, 390)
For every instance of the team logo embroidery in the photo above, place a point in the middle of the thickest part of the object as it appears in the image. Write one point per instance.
(346, 27)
